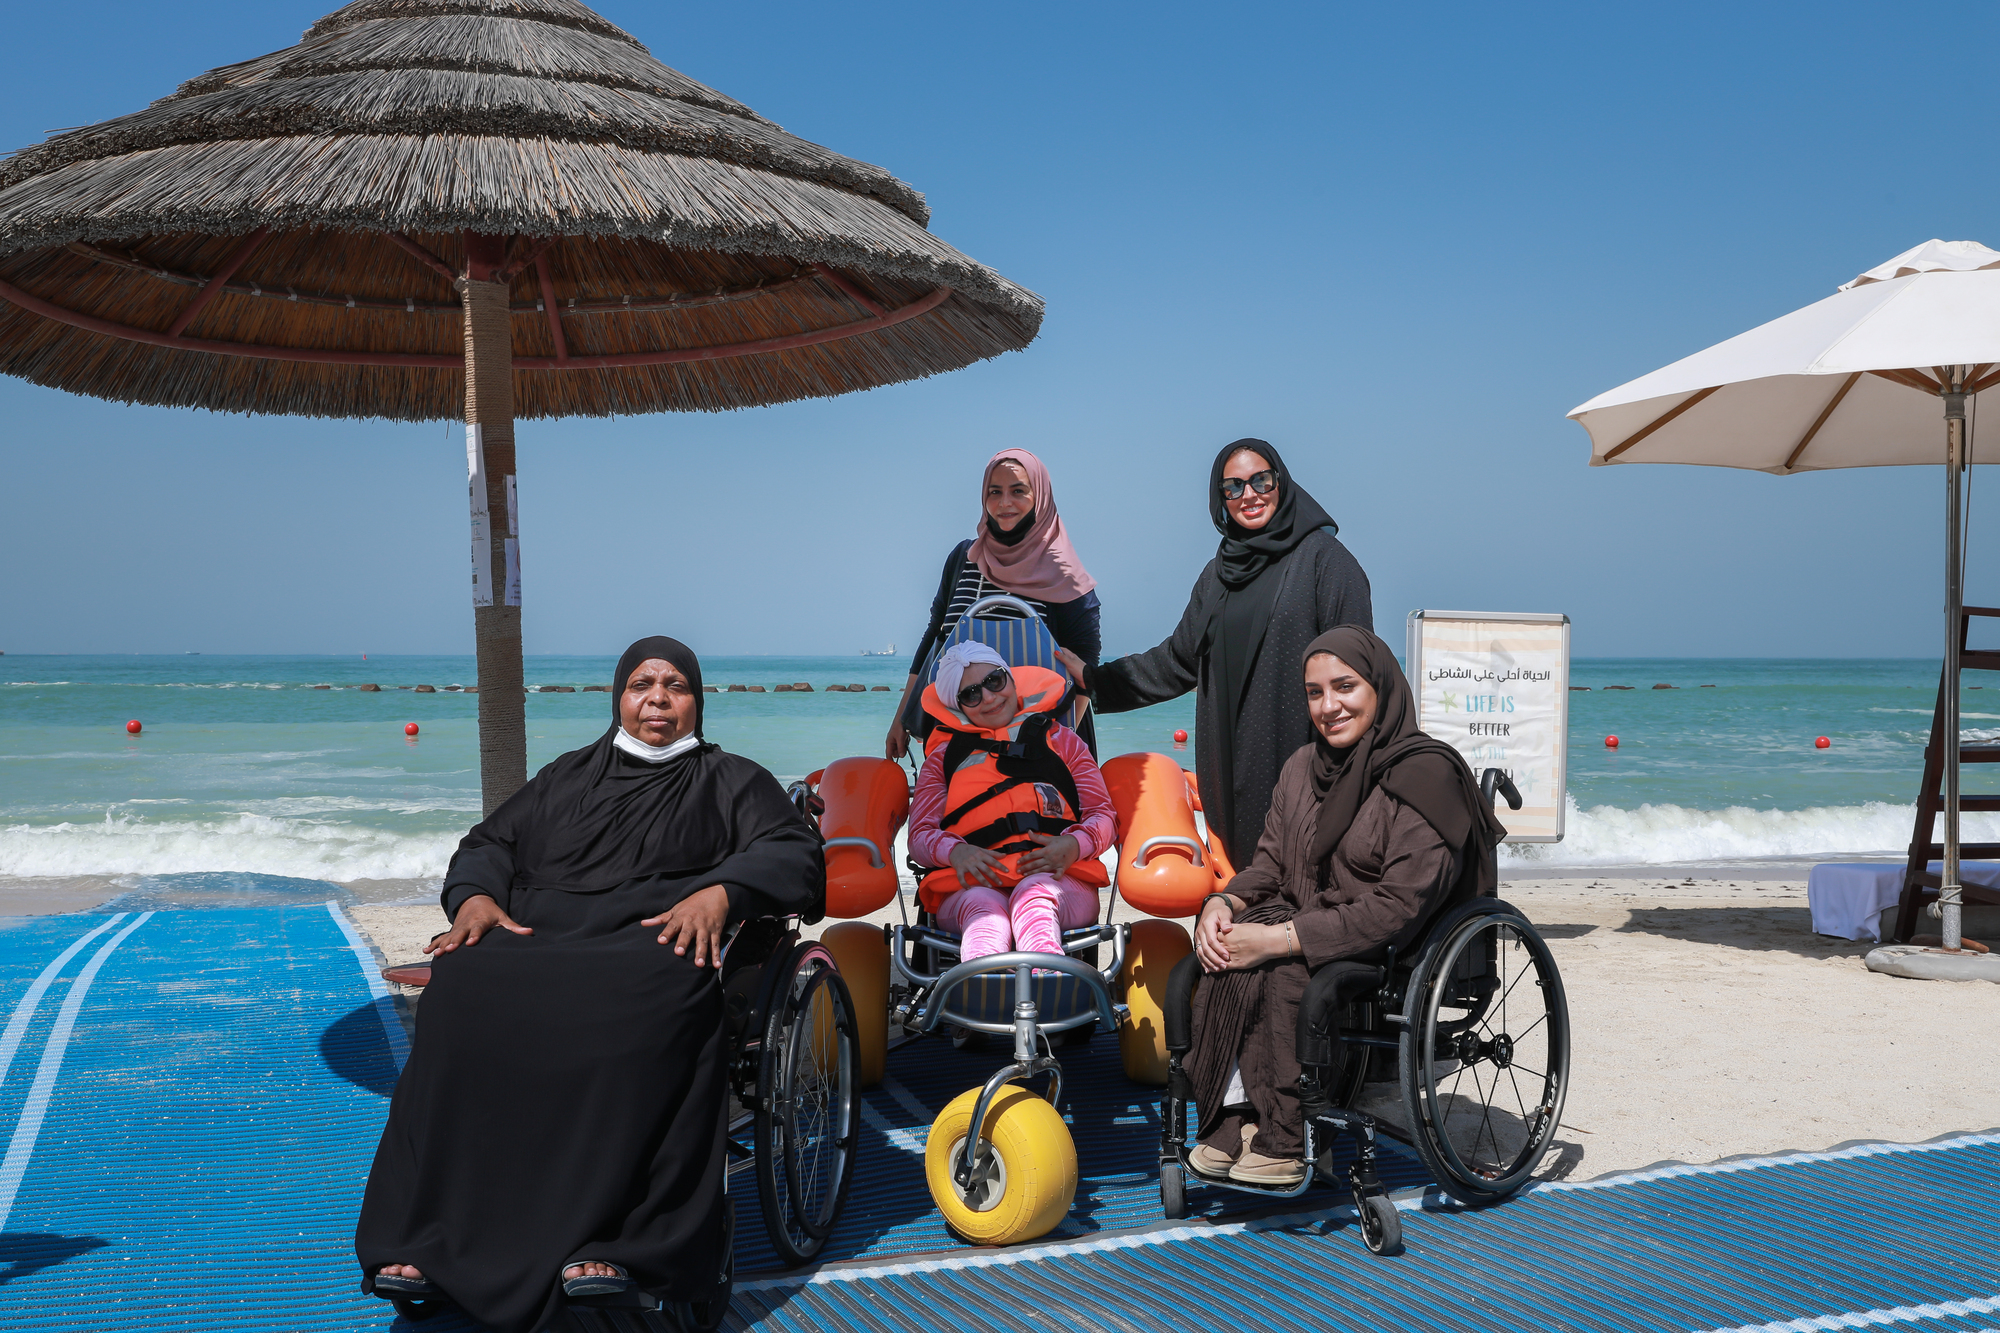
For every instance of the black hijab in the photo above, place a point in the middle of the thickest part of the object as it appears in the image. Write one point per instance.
(672, 651)
(604, 817)
(1417, 769)
(1245, 554)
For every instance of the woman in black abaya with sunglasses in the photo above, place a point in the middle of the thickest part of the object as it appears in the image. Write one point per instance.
(1280, 579)
(558, 1131)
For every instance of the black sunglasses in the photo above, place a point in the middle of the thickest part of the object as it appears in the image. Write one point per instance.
(1260, 482)
(996, 681)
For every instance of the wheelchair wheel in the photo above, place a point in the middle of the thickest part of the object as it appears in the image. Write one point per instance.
(1381, 1226)
(807, 1113)
(863, 957)
(1150, 954)
(1173, 1191)
(1029, 1180)
(1485, 1055)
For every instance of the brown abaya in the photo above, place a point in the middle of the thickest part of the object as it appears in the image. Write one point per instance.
(1408, 835)
(564, 1098)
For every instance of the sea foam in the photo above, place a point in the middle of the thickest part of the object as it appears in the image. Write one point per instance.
(258, 844)
(332, 850)
(1671, 834)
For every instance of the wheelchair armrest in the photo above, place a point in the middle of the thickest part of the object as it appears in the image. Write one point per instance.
(1319, 1012)
(1178, 1013)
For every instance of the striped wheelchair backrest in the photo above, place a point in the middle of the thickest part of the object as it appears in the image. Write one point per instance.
(1020, 641)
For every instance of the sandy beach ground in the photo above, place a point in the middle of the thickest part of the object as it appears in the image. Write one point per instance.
(1708, 1021)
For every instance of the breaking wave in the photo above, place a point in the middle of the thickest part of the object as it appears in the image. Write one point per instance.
(256, 844)
(1668, 834)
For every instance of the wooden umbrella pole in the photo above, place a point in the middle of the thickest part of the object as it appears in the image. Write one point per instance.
(496, 564)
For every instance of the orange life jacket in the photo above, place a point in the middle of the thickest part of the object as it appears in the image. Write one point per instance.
(1004, 783)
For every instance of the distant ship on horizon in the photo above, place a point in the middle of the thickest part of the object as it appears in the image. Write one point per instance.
(890, 651)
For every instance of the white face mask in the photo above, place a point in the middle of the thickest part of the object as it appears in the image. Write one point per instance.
(652, 754)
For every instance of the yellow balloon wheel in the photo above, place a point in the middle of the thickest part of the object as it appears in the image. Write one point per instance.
(863, 958)
(1150, 955)
(1030, 1181)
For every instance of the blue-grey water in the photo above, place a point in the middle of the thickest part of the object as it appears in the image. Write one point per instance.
(244, 767)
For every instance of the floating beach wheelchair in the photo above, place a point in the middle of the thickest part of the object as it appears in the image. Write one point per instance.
(1471, 1024)
(1000, 1162)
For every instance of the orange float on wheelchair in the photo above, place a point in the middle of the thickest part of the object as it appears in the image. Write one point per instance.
(866, 801)
(1164, 866)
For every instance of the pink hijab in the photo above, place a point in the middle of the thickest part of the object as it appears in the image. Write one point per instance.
(1042, 565)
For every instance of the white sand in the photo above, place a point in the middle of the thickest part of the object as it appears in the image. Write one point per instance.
(1708, 1021)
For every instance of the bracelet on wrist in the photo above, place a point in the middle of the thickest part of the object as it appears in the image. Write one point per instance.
(1205, 901)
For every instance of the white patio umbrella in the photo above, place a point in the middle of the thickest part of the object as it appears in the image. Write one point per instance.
(1875, 375)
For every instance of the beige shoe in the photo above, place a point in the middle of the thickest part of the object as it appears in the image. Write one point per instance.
(1211, 1162)
(1215, 1163)
(1254, 1168)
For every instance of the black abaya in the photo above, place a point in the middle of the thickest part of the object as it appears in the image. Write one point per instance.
(564, 1099)
(1266, 594)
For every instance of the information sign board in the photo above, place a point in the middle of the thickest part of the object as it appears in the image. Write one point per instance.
(1496, 687)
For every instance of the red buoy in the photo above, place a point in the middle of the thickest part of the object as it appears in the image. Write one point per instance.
(410, 729)
(1180, 737)
(1822, 743)
(1610, 742)
(133, 726)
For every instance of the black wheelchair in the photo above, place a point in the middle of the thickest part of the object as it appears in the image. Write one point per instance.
(1473, 1027)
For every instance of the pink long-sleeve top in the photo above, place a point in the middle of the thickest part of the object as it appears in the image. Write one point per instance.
(1094, 833)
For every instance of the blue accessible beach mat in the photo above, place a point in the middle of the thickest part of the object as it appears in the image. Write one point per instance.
(187, 1096)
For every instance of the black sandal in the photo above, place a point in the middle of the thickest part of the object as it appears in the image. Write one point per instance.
(415, 1298)
(617, 1283)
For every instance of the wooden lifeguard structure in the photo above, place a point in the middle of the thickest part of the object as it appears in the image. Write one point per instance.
(1920, 884)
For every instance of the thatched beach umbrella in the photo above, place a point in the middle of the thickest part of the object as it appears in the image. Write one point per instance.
(500, 208)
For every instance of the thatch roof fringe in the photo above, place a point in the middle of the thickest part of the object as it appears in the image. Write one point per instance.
(421, 101)
(448, 183)
(561, 13)
(332, 194)
(475, 45)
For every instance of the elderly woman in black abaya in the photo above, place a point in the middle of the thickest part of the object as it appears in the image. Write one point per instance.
(558, 1132)
(1279, 577)
(1373, 828)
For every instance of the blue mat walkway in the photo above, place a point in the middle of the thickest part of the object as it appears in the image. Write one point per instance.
(184, 1092)
(1879, 1236)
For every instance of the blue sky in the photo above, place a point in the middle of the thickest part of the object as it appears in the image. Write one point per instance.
(1399, 241)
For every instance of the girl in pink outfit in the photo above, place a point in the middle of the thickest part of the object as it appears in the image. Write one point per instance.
(995, 899)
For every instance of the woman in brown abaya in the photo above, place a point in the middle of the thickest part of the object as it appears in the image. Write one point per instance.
(558, 1132)
(1373, 828)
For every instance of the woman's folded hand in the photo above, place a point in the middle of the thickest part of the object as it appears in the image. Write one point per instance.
(696, 920)
(476, 916)
(1211, 934)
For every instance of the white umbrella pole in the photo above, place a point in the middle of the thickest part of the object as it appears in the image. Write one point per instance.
(1954, 464)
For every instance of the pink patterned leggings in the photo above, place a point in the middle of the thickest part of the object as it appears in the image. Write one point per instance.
(1030, 917)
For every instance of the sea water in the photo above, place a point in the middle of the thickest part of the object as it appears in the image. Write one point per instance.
(244, 767)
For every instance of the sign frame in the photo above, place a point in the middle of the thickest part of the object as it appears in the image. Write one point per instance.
(1414, 656)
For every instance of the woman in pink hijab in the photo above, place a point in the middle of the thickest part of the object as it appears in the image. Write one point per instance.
(1021, 549)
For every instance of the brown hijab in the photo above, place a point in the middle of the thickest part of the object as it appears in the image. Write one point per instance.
(1418, 770)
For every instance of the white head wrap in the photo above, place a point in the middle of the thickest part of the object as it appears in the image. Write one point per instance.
(957, 660)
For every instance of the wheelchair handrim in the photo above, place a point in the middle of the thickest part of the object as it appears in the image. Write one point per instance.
(1539, 1105)
(831, 1104)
